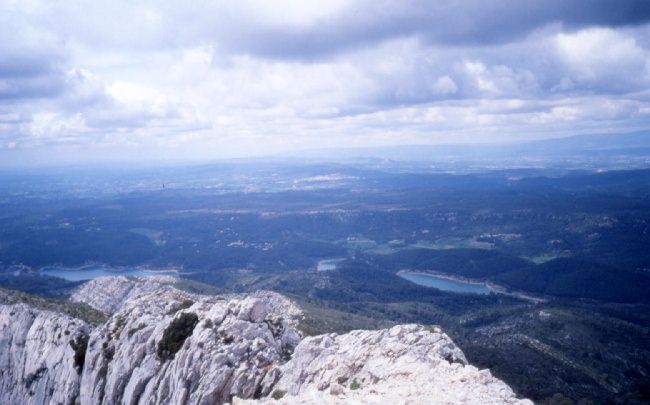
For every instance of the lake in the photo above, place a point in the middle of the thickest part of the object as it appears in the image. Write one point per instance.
(328, 264)
(88, 273)
(441, 283)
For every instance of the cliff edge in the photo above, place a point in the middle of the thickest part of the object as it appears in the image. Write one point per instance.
(163, 345)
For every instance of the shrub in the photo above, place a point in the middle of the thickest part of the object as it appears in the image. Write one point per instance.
(31, 378)
(174, 336)
(355, 385)
(186, 303)
(133, 331)
(119, 323)
(79, 345)
(108, 352)
(278, 394)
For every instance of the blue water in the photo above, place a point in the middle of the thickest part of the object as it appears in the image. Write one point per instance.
(444, 284)
(88, 273)
(328, 265)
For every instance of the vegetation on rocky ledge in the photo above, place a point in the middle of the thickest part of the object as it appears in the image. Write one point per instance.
(175, 334)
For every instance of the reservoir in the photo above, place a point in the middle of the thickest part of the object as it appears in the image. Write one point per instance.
(88, 273)
(442, 283)
(328, 265)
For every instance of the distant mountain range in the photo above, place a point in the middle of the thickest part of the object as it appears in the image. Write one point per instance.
(603, 148)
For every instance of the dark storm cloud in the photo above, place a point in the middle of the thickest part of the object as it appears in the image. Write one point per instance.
(454, 23)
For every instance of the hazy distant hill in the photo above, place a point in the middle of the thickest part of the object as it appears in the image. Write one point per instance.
(599, 147)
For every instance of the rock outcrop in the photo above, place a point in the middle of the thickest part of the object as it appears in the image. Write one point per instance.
(407, 364)
(235, 341)
(38, 360)
(163, 345)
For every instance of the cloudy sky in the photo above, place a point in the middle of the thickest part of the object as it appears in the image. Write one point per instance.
(182, 80)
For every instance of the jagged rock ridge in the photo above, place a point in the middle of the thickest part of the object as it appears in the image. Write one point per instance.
(37, 358)
(165, 345)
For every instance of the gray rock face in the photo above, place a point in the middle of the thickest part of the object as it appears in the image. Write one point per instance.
(218, 349)
(236, 341)
(36, 358)
(107, 294)
(407, 364)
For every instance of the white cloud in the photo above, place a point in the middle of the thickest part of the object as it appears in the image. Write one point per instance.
(445, 85)
(194, 80)
(603, 58)
(46, 125)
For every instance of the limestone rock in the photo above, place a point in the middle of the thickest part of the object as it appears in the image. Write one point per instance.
(107, 294)
(236, 341)
(37, 360)
(407, 364)
(243, 348)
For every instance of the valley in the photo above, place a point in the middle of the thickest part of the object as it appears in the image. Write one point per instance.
(534, 274)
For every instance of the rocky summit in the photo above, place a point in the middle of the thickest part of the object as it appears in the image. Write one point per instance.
(163, 345)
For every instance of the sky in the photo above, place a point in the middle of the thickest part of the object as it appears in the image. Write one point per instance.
(113, 80)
